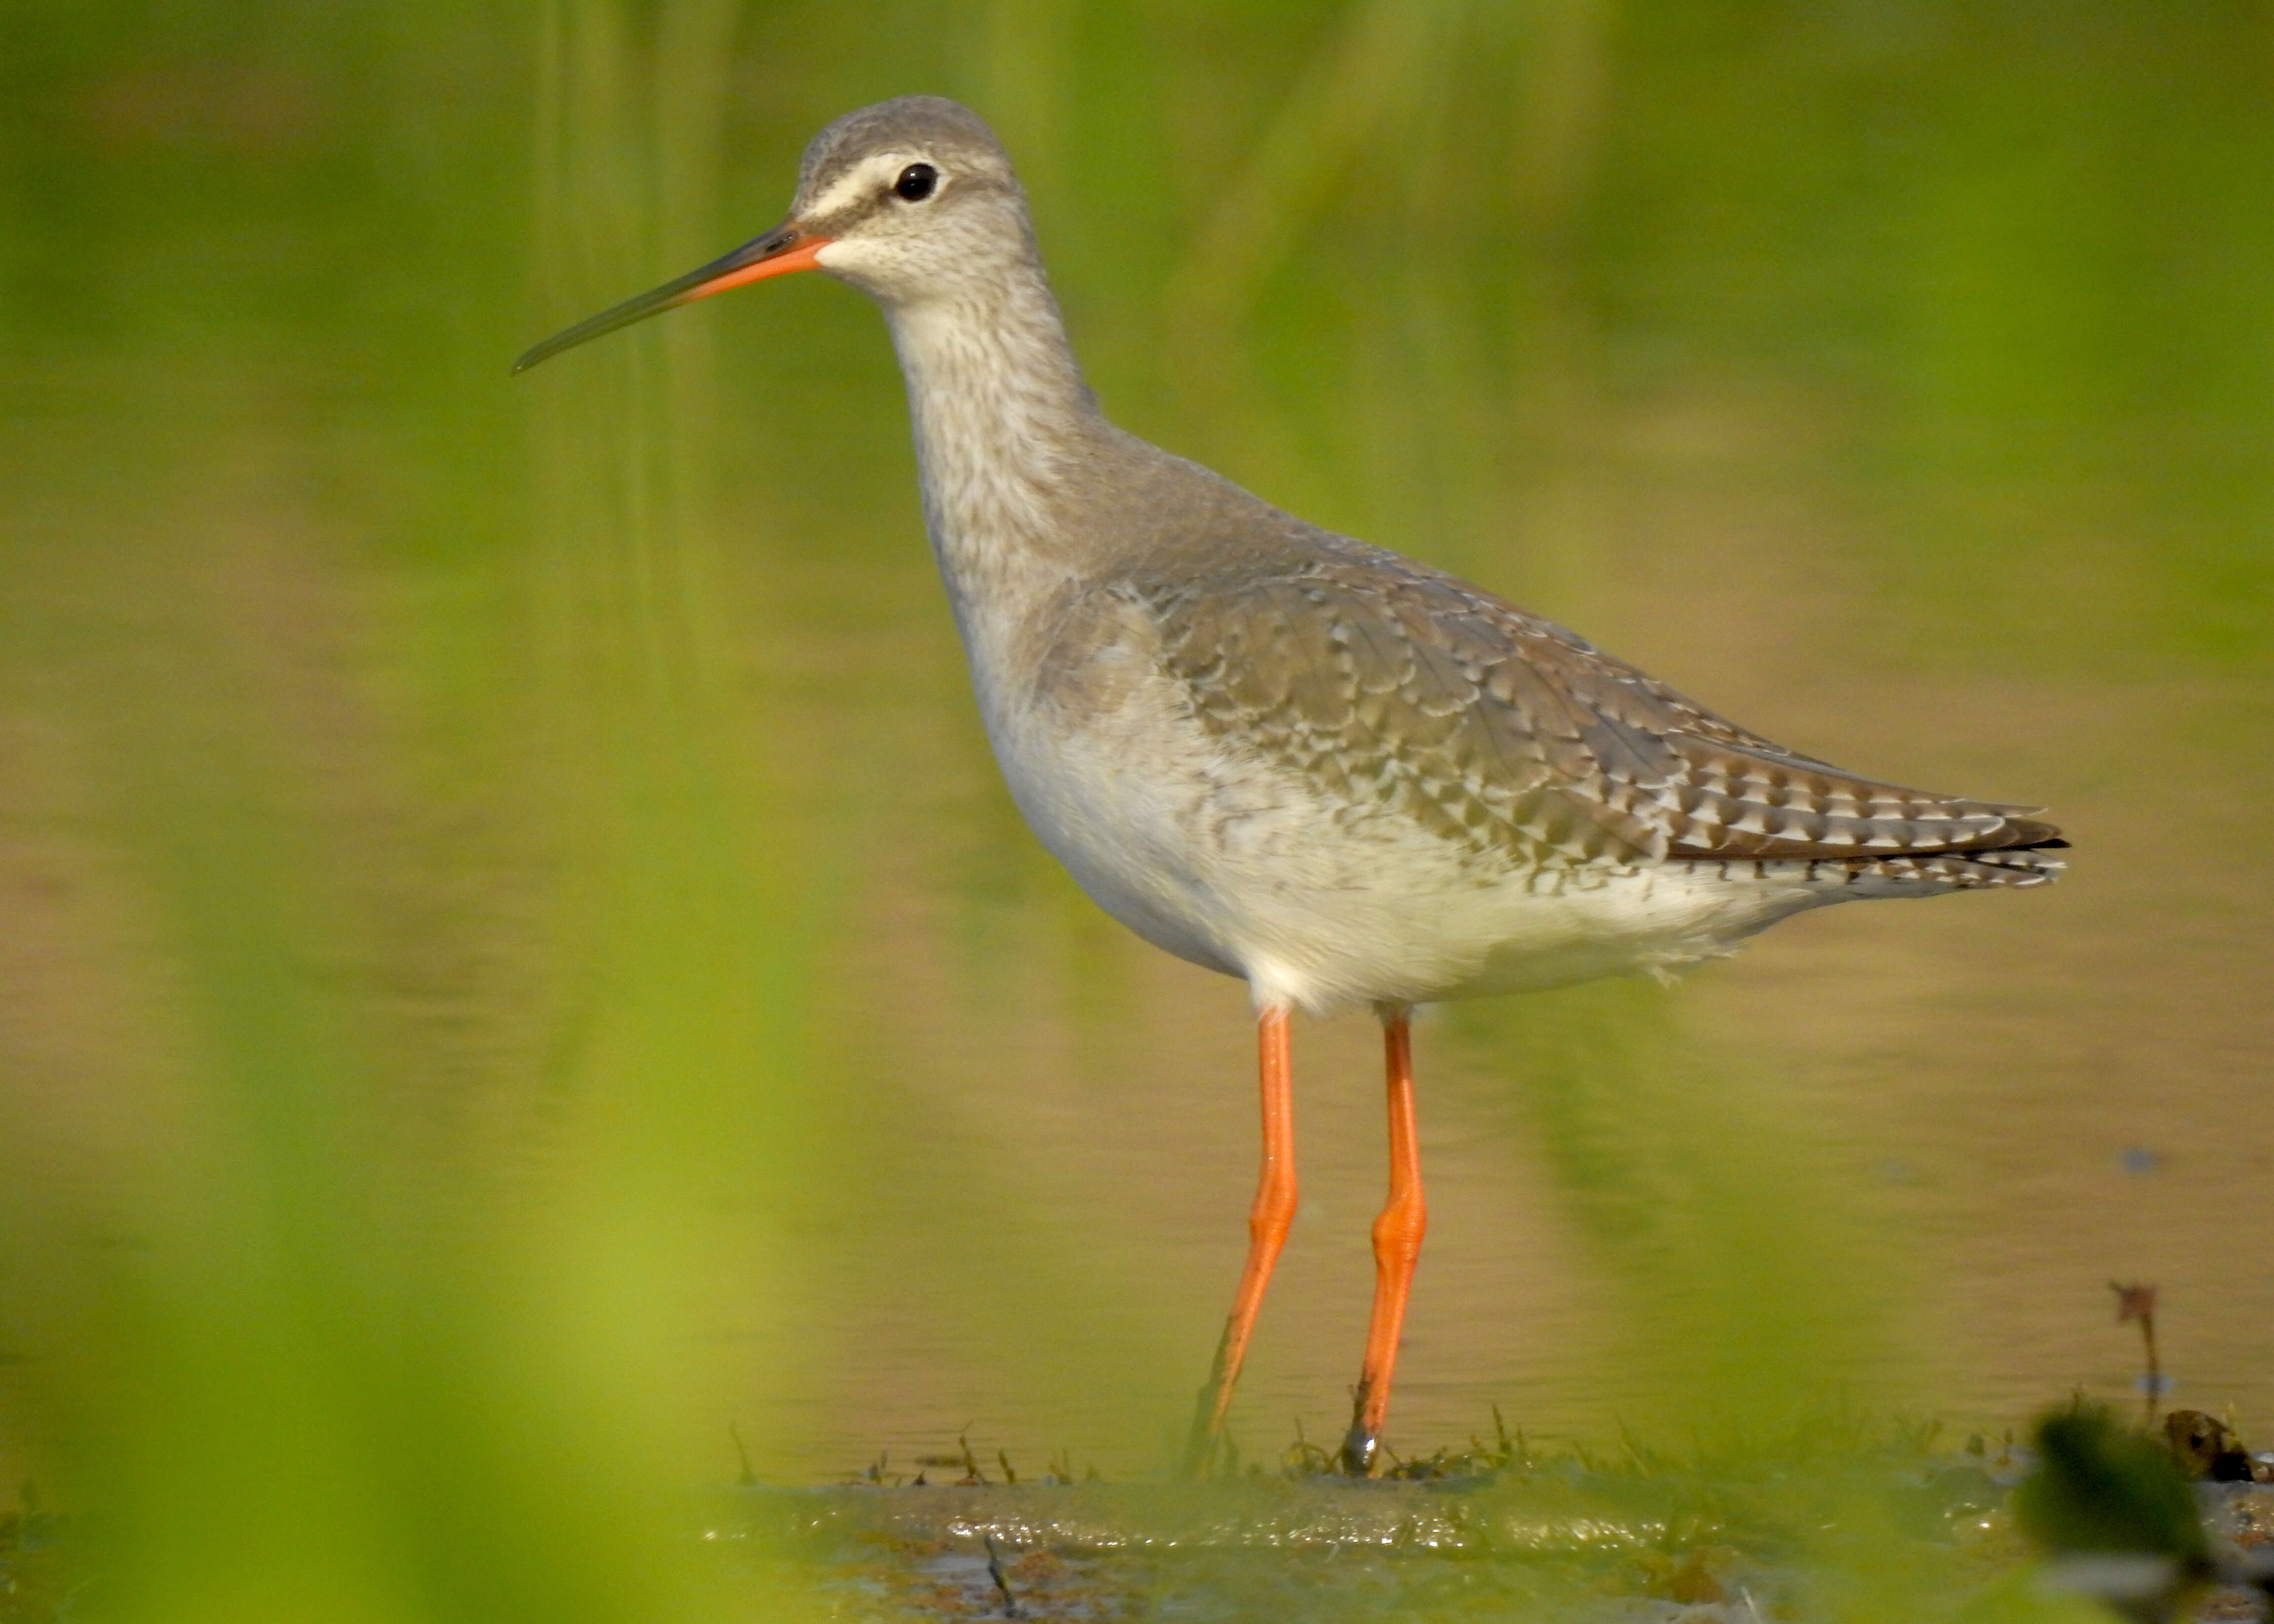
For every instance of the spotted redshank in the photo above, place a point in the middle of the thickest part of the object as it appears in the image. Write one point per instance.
(1343, 776)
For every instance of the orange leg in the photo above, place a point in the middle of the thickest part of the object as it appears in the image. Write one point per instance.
(1397, 1234)
(1268, 1221)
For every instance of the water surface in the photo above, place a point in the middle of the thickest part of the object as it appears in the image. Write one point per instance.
(517, 860)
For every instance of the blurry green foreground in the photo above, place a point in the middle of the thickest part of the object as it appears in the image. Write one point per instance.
(517, 979)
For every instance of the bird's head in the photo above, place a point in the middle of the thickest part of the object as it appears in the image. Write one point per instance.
(908, 200)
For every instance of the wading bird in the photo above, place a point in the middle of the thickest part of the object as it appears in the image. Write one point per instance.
(1343, 776)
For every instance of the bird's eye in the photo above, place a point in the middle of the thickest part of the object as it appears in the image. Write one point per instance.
(916, 182)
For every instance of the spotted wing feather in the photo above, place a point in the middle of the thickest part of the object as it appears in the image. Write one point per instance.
(1392, 686)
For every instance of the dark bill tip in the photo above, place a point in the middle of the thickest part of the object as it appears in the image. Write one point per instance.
(786, 248)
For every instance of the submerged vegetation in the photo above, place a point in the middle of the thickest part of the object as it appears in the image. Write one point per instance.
(2086, 1515)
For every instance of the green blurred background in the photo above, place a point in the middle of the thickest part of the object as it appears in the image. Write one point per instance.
(513, 955)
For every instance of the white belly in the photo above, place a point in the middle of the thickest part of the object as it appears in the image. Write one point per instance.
(1232, 864)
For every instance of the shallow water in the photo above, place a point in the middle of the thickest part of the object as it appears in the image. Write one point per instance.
(551, 811)
(1640, 1544)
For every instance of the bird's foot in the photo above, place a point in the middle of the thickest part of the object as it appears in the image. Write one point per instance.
(1205, 1444)
(1363, 1441)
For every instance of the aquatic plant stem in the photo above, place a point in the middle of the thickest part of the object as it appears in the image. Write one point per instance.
(2138, 1302)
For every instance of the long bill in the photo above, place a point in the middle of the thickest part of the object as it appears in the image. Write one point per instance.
(787, 247)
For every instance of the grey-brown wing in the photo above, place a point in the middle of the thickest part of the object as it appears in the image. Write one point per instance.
(1389, 685)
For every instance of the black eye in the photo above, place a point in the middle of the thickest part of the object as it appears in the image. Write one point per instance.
(915, 182)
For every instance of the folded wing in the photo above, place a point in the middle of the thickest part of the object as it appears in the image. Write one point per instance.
(1389, 685)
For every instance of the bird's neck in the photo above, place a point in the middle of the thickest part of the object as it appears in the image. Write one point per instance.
(1002, 422)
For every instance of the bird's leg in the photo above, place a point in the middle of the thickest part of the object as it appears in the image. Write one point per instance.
(1397, 1233)
(1267, 1220)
